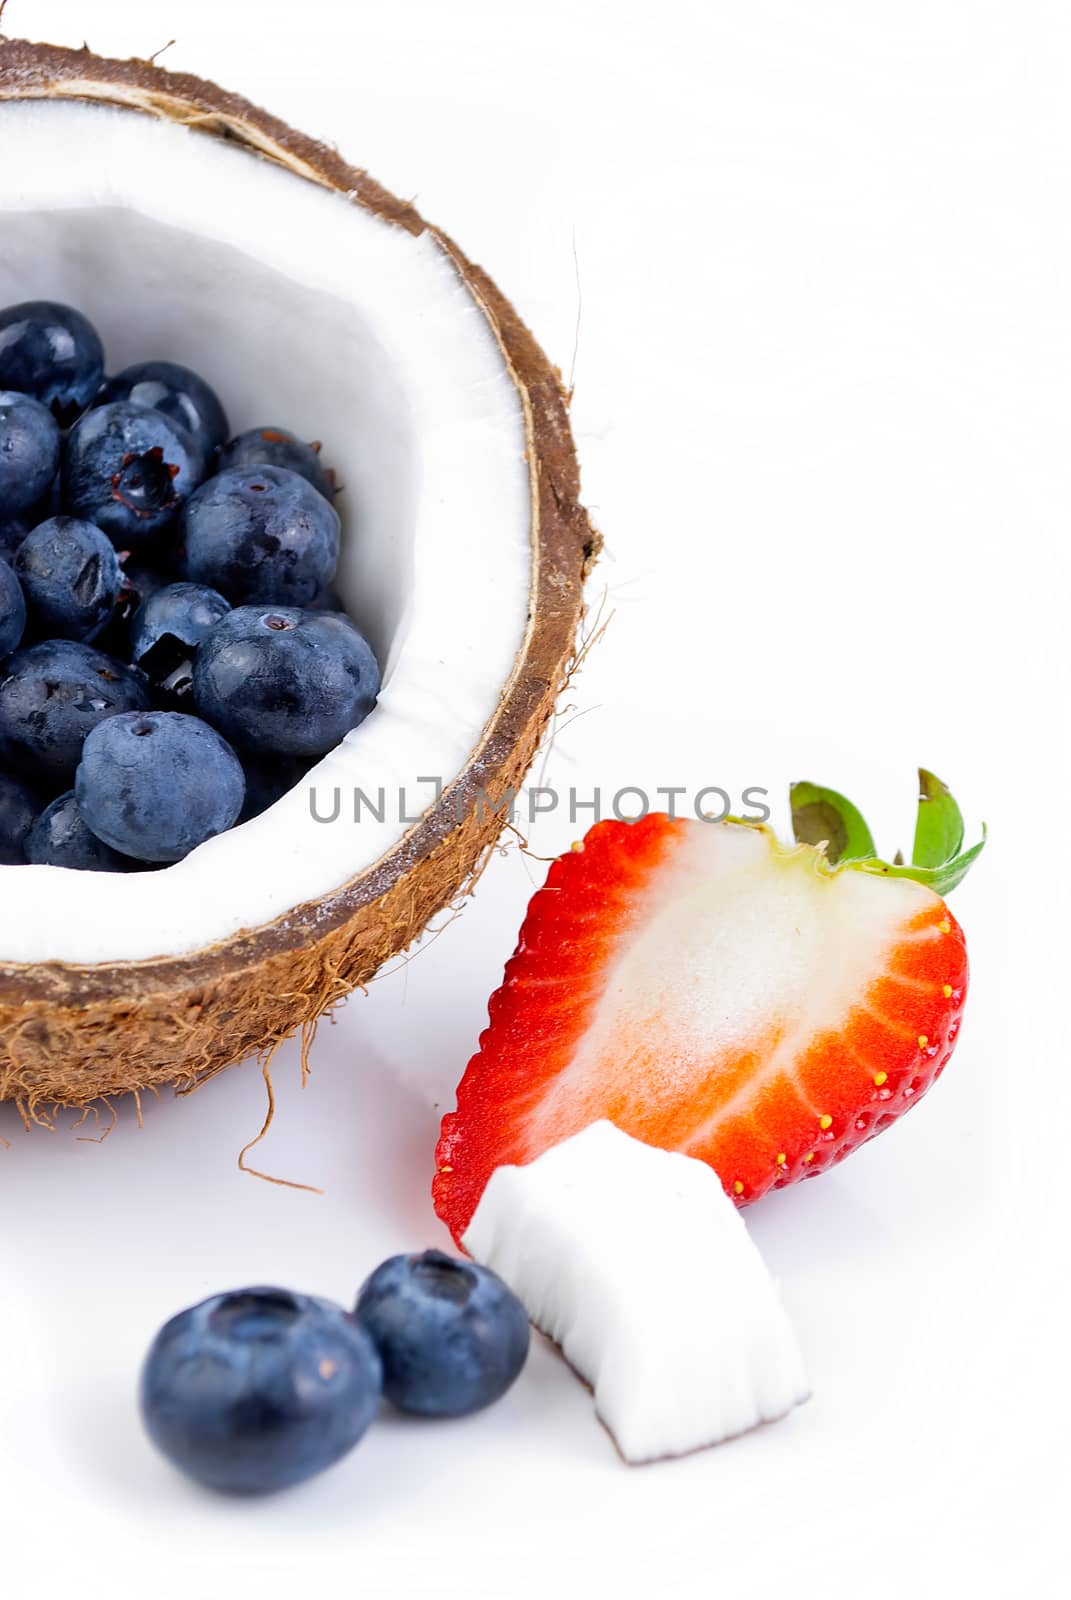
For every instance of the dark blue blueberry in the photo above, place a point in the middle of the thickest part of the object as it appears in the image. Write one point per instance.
(164, 636)
(260, 534)
(276, 447)
(12, 611)
(29, 451)
(13, 531)
(178, 393)
(285, 682)
(52, 352)
(268, 778)
(452, 1337)
(258, 1390)
(18, 809)
(154, 785)
(130, 470)
(52, 695)
(60, 838)
(71, 577)
(328, 599)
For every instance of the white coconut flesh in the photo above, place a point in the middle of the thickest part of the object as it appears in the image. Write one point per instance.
(305, 311)
(640, 1267)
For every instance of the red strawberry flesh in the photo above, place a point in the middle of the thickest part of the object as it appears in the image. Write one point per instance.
(712, 992)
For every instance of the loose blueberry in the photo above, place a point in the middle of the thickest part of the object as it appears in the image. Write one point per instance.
(60, 838)
(283, 681)
(52, 352)
(12, 611)
(165, 634)
(258, 1390)
(18, 810)
(275, 447)
(71, 577)
(52, 695)
(29, 451)
(154, 785)
(260, 534)
(130, 470)
(452, 1337)
(180, 394)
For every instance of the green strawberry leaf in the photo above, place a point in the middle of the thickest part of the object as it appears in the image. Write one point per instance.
(939, 828)
(942, 879)
(824, 816)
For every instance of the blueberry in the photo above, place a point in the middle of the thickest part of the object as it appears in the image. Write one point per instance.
(29, 451)
(275, 447)
(129, 470)
(13, 531)
(18, 809)
(285, 682)
(52, 696)
(260, 534)
(258, 1390)
(179, 393)
(452, 1337)
(268, 778)
(165, 633)
(52, 352)
(70, 575)
(138, 583)
(12, 611)
(154, 785)
(328, 599)
(60, 838)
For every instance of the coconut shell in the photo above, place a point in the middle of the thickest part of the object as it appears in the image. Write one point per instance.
(70, 1035)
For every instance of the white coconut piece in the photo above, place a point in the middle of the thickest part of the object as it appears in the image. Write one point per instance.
(308, 312)
(639, 1266)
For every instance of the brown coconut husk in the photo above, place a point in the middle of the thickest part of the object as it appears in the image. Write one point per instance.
(70, 1035)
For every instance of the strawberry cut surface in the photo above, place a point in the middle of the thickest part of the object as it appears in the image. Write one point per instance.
(709, 991)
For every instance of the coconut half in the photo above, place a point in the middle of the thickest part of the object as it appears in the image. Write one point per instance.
(189, 225)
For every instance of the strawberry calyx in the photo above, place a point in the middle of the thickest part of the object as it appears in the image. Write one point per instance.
(827, 820)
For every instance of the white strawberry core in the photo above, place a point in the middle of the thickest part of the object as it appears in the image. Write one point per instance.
(742, 949)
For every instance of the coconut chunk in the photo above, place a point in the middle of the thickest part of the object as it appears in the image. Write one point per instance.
(640, 1267)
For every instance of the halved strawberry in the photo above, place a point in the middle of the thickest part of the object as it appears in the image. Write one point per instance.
(765, 1008)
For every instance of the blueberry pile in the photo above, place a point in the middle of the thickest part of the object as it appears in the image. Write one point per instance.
(173, 657)
(259, 1389)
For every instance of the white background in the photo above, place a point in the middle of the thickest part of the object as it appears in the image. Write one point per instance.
(822, 399)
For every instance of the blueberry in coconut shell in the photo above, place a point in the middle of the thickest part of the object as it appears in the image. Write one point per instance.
(165, 633)
(258, 1390)
(13, 531)
(283, 681)
(18, 811)
(61, 838)
(260, 534)
(155, 785)
(52, 352)
(452, 1337)
(29, 451)
(268, 778)
(71, 578)
(130, 470)
(276, 447)
(52, 695)
(178, 393)
(12, 611)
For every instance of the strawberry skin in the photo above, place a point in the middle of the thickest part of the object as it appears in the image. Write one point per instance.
(713, 992)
